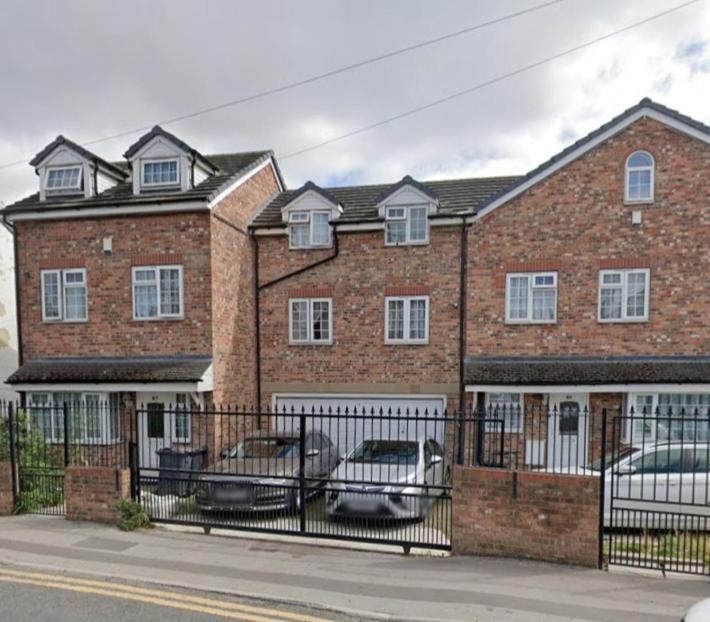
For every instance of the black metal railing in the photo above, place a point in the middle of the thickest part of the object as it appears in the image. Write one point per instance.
(43, 438)
(536, 438)
(657, 506)
(359, 474)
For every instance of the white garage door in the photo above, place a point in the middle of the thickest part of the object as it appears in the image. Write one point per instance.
(405, 417)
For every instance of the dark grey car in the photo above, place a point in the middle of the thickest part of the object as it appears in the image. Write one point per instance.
(262, 473)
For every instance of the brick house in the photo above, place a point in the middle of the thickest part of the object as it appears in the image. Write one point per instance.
(580, 285)
(136, 283)
(583, 287)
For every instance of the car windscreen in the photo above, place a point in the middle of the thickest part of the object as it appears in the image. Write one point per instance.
(386, 452)
(619, 455)
(266, 448)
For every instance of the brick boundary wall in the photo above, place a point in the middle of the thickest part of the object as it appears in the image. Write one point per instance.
(91, 493)
(7, 504)
(541, 516)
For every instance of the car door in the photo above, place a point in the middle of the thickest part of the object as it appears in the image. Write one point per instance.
(694, 479)
(437, 470)
(655, 475)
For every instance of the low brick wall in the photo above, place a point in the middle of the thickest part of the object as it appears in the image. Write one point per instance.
(91, 493)
(543, 516)
(7, 504)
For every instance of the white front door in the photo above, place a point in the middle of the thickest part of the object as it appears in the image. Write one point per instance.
(154, 426)
(568, 430)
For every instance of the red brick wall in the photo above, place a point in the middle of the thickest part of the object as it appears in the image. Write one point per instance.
(6, 501)
(233, 312)
(545, 516)
(91, 493)
(358, 281)
(110, 329)
(576, 222)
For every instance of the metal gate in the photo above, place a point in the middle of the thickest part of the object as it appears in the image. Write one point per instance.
(657, 505)
(38, 449)
(369, 476)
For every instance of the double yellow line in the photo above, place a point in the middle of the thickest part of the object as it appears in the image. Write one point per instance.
(161, 598)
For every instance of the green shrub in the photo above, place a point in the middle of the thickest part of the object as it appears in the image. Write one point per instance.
(132, 516)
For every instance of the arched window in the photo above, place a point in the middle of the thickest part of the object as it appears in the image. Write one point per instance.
(639, 177)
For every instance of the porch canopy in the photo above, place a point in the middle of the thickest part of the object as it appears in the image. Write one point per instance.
(177, 373)
(593, 373)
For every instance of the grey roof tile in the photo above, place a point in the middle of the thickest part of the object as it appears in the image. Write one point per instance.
(112, 369)
(587, 370)
(360, 202)
(230, 166)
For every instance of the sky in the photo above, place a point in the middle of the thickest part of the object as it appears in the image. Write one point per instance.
(89, 69)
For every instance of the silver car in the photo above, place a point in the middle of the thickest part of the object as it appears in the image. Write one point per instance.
(657, 480)
(396, 479)
(262, 473)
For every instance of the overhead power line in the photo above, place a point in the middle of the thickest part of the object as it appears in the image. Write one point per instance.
(482, 85)
(315, 78)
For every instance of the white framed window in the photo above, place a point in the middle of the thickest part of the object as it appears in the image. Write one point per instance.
(661, 417)
(92, 418)
(63, 179)
(64, 295)
(157, 292)
(309, 229)
(310, 321)
(505, 407)
(407, 319)
(639, 180)
(624, 295)
(531, 298)
(164, 172)
(406, 225)
(181, 424)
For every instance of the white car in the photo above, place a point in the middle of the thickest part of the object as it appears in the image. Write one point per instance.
(657, 479)
(699, 612)
(390, 479)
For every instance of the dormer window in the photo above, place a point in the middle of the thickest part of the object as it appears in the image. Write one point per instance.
(639, 177)
(406, 225)
(160, 173)
(309, 229)
(63, 179)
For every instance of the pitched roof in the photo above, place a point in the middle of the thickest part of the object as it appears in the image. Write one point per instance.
(61, 140)
(645, 104)
(587, 370)
(310, 186)
(407, 180)
(360, 202)
(230, 165)
(159, 131)
(113, 369)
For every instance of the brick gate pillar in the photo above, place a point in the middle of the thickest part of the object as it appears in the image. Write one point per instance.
(92, 493)
(7, 502)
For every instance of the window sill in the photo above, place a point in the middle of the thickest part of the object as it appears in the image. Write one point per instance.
(618, 321)
(639, 201)
(63, 322)
(396, 245)
(530, 322)
(310, 343)
(406, 343)
(159, 319)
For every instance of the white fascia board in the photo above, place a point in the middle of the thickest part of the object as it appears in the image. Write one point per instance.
(271, 231)
(244, 178)
(424, 199)
(359, 226)
(114, 387)
(577, 153)
(589, 388)
(126, 210)
(206, 383)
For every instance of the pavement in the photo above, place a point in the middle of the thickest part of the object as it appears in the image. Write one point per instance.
(362, 584)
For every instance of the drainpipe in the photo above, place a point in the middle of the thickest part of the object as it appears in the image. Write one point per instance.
(462, 334)
(257, 306)
(11, 228)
